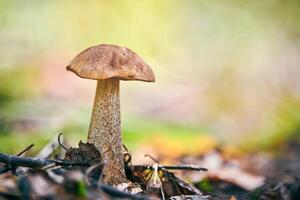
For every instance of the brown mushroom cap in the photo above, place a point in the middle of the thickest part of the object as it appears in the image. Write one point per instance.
(110, 61)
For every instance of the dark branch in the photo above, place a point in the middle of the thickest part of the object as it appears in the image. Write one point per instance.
(6, 168)
(13, 161)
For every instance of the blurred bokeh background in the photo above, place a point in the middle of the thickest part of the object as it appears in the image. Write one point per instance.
(227, 71)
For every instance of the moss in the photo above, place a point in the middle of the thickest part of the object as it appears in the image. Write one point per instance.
(204, 186)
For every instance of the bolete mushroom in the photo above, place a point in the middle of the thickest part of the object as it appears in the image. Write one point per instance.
(108, 64)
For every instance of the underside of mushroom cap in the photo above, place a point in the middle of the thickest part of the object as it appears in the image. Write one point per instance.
(110, 61)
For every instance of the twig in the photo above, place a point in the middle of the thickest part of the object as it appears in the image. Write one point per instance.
(60, 142)
(26, 149)
(172, 167)
(125, 148)
(175, 167)
(183, 167)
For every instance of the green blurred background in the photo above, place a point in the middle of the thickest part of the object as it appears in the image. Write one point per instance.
(226, 70)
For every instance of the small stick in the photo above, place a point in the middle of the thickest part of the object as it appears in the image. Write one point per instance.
(26, 149)
(176, 167)
(60, 135)
(125, 148)
(172, 167)
(183, 167)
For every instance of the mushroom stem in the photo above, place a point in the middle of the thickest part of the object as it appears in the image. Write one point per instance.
(105, 130)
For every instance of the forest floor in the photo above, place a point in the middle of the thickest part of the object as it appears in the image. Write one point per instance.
(59, 172)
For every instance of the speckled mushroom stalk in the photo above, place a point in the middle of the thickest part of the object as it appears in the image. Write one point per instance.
(108, 64)
(105, 129)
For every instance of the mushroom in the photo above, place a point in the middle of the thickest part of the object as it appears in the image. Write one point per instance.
(108, 64)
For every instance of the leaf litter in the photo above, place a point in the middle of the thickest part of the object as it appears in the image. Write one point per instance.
(77, 175)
